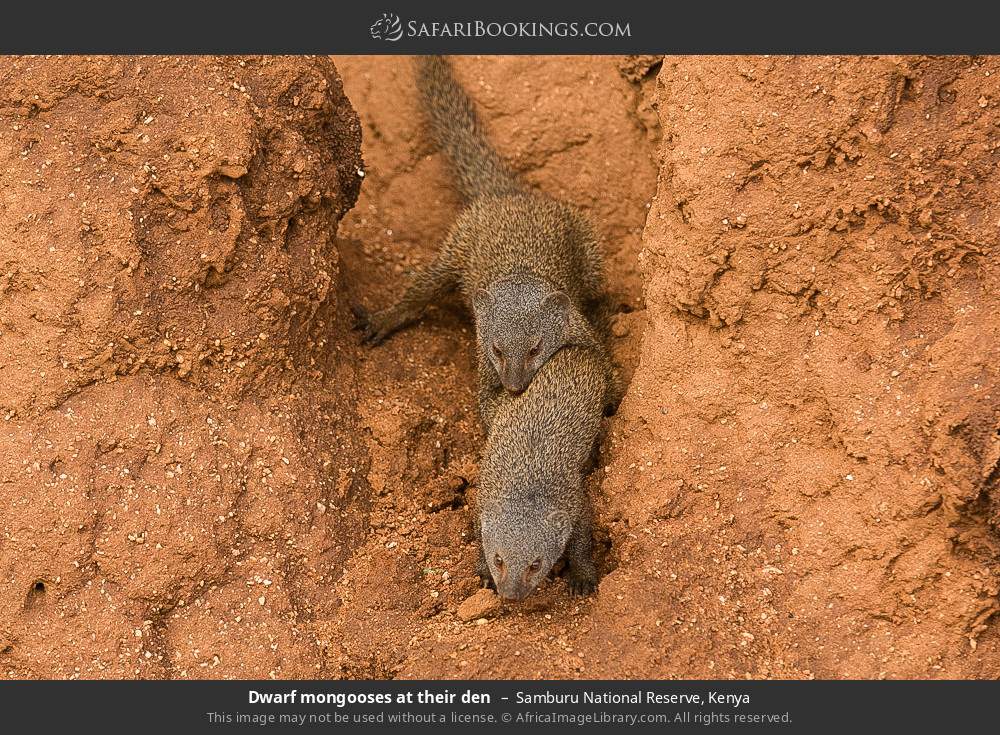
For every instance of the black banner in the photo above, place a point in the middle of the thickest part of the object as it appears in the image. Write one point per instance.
(501, 706)
(511, 27)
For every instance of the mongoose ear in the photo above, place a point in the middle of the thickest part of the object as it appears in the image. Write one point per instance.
(482, 300)
(558, 520)
(556, 307)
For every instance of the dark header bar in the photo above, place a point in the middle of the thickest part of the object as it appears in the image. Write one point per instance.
(495, 706)
(510, 27)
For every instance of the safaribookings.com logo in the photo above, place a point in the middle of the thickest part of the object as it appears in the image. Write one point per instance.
(387, 28)
(390, 28)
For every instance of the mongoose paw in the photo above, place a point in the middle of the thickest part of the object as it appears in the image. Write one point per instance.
(485, 578)
(367, 323)
(360, 316)
(581, 584)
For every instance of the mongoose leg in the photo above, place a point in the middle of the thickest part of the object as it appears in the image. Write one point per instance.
(483, 570)
(582, 573)
(425, 285)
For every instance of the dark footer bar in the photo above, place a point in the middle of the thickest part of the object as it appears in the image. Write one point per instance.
(500, 706)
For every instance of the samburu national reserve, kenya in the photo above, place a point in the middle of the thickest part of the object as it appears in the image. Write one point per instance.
(639, 697)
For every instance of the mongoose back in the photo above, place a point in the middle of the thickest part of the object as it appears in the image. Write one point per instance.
(531, 500)
(528, 266)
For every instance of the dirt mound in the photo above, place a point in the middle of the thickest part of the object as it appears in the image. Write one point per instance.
(203, 474)
(165, 351)
(809, 450)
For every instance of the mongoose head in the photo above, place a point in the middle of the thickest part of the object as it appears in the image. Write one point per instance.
(521, 323)
(521, 546)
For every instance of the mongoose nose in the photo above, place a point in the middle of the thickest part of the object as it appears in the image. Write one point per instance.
(516, 387)
(515, 595)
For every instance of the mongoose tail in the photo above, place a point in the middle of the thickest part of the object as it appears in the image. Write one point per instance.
(478, 168)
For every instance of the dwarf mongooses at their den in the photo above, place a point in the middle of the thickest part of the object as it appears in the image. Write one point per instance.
(528, 265)
(532, 504)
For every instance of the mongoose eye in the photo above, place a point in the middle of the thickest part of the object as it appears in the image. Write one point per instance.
(533, 352)
(498, 560)
(535, 565)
